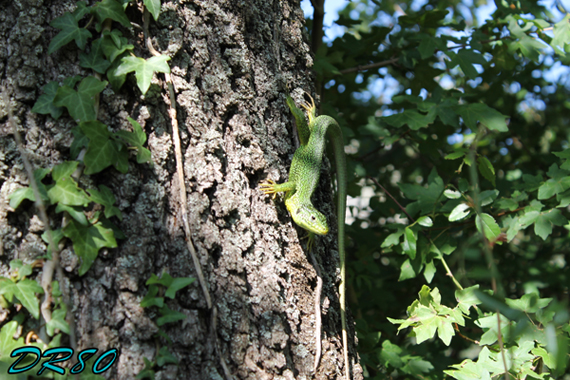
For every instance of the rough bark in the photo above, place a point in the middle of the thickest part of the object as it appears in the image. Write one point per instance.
(232, 62)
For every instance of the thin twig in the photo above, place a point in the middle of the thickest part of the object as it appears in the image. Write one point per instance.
(318, 318)
(369, 66)
(179, 168)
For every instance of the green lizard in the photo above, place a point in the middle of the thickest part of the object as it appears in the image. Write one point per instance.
(303, 178)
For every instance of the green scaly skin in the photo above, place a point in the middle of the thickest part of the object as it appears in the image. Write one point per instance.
(303, 179)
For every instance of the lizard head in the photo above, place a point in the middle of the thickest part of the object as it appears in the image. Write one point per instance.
(309, 218)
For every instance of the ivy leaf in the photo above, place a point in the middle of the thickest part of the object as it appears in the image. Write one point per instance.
(102, 150)
(66, 190)
(70, 30)
(44, 104)
(136, 138)
(412, 118)
(104, 196)
(112, 9)
(81, 103)
(58, 322)
(491, 118)
(169, 316)
(20, 194)
(176, 285)
(75, 212)
(25, 290)
(486, 169)
(165, 357)
(114, 44)
(65, 169)
(80, 141)
(88, 240)
(487, 226)
(153, 6)
(95, 60)
(116, 80)
(151, 299)
(465, 58)
(144, 69)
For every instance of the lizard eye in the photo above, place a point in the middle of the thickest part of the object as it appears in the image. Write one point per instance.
(298, 211)
(313, 217)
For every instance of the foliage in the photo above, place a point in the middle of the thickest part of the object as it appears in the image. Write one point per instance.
(460, 121)
(95, 148)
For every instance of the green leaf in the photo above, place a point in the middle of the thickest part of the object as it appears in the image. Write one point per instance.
(70, 30)
(465, 58)
(87, 241)
(80, 141)
(21, 270)
(559, 182)
(63, 170)
(150, 299)
(169, 316)
(461, 152)
(459, 212)
(102, 151)
(452, 194)
(75, 212)
(44, 104)
(95, 60)
(409, 243)
(144, 69)
(165, 357)
(428, 45)
(425, 221)
(491, 118)
(25, 290)
(68, 193)
(412, 118)
(104, 196)
(57, 322)
(136, 138)
(81, 103)
(153, 6)
(392, 239)
(114, 44)
(176, 285)
(487, 226)
(467, 298)
(426, 198)
(56, 235)
(529, 303)
(110, 9)
(546, 220)
(19, 195)
(116, 80)
(486, 169)
(561, 35)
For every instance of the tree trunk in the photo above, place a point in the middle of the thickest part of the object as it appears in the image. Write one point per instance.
(233, 62)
